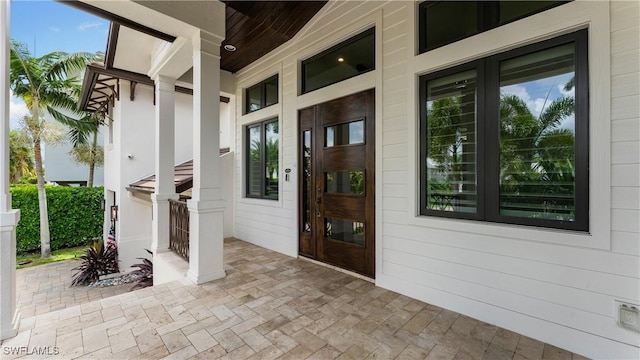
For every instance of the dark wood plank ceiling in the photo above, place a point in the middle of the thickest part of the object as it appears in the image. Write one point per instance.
(257, 27)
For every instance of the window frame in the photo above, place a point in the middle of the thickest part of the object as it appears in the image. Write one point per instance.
(487, 135)
(262, 85)
(263, 162)
(488, 18)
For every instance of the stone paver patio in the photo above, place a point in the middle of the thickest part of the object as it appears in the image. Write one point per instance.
(45, 288)
(269, 306)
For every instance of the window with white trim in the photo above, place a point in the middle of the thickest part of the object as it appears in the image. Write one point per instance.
(505, 138)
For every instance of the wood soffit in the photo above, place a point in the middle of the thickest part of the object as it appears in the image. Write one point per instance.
(254, 27)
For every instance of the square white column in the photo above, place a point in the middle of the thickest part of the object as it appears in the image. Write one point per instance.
(164, 161)
(9, 315)
(206, 207)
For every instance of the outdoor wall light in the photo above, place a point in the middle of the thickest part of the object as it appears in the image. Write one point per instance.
(114, 212)
(102, 204)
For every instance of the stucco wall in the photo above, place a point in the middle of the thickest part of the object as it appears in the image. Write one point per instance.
(555, 286)
(133, 128)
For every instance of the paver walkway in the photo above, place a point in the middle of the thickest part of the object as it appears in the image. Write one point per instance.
(45, 288)
(269, 306)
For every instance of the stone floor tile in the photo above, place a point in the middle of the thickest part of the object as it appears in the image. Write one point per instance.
(94, 340)
(413, 352)
(215, 352)
(148, 341)
(127, 354)
(308, 340)
(202, 340)
(228, 340)
(325, 353)
(175, 341)
(297, 353)
(176, 325)
(554, 353)
(182, 354)
(268, 353)
(241, 353)
(496, 352)
(384, 352)
(157, 353)
(255, 340)
(506, 339)
(440, 352)
(103, 353)
(282, 341)
(354, 352)
(248, 325)
(122, 340)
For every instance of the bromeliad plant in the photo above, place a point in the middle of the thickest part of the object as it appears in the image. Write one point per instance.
(98, 260)
(144, 273)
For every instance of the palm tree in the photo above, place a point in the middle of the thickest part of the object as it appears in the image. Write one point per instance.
(83, 152)
(20, 157)
(46, 88)
(537, 157)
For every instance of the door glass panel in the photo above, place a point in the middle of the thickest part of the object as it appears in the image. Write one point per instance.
(306, 181)
(271, 160)
(253, 166)
(348, 231)
(344, 182)
(344, 134)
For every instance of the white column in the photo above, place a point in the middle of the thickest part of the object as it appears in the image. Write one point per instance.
(206, 207)
(165, 161)
(9, 315)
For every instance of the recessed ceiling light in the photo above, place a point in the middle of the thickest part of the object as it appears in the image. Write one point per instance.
(230, 47)
(340, 59)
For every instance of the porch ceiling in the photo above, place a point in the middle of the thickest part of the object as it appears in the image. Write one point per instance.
(254, 27)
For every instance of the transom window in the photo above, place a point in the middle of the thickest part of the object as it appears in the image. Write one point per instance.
(262, 159)
(261, 95)
(445, 22)
(505, 138)
(348, 59)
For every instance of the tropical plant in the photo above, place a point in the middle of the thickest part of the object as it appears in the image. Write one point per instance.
(46, 88)
(537, 155)
(83, 152)
(447, 135)
(98, 260)
(20, 157)
(144, 273)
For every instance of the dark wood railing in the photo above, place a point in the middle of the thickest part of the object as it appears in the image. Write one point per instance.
(179, 228)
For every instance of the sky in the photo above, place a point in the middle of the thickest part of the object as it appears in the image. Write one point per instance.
(46, 26)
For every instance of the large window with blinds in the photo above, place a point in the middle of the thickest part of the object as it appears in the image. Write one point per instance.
(505, 138)
(262, 161)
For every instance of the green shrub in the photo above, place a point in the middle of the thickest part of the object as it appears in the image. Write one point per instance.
(75, 217)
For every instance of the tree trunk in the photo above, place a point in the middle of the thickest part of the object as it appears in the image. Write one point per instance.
(92, 164)
(45, 240)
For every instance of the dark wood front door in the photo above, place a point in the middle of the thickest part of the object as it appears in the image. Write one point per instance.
(336, 182)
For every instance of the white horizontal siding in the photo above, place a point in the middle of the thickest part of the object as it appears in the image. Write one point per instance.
(556, 289)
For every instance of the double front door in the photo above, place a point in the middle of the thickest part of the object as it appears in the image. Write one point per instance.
(337, 172)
